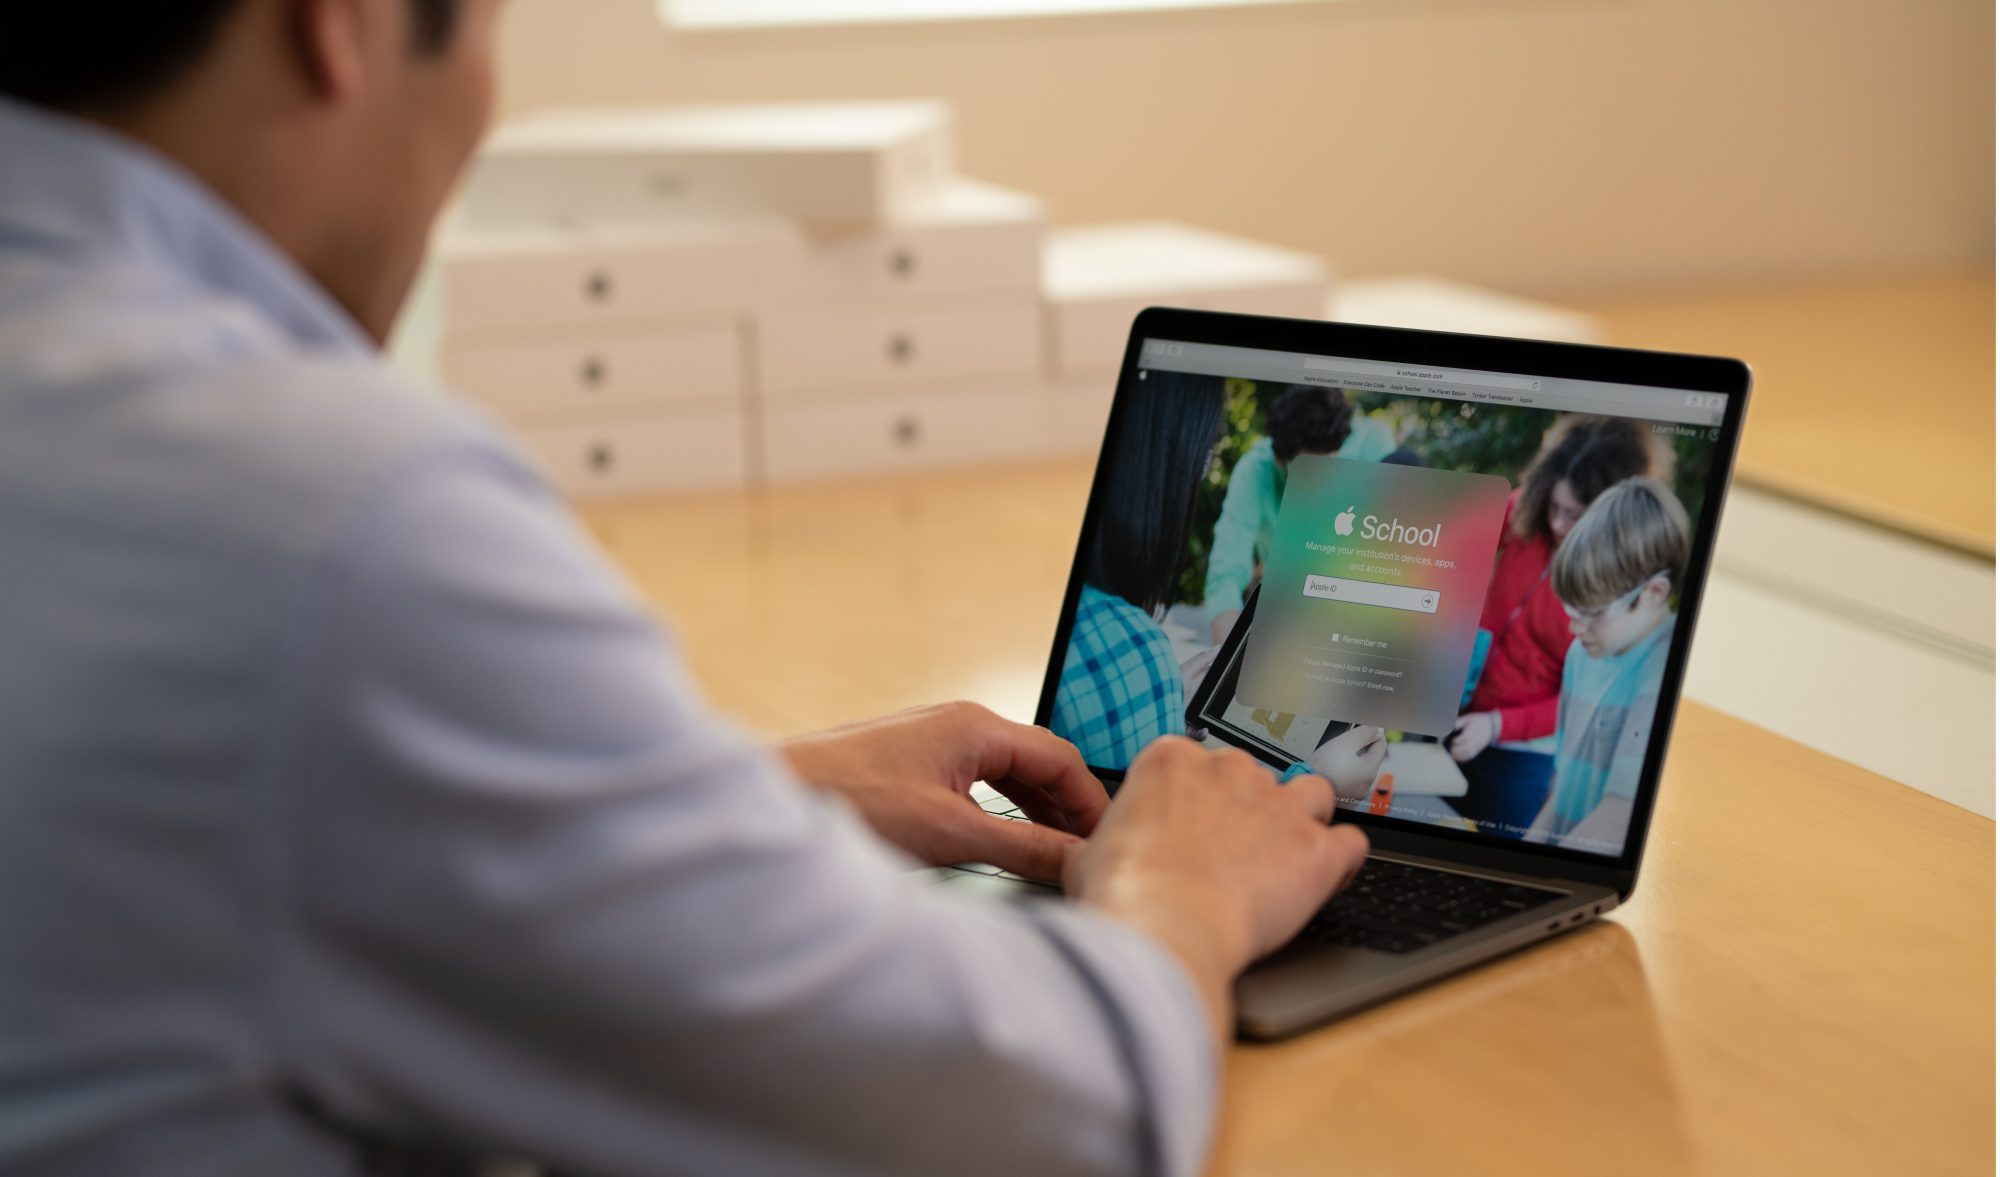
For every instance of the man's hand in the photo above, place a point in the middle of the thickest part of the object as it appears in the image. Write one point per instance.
(910, 774)
(1206, 852)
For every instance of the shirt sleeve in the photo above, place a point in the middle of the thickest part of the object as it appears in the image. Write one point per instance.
(1368, 440)
(538, 901)
(1232, 551)
(1529, 721)
(1540, 633)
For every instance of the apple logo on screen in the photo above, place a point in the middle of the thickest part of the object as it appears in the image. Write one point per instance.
(1343, 523)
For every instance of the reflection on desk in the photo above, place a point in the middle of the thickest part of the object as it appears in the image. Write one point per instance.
(1574, 1023)
(1803, 982)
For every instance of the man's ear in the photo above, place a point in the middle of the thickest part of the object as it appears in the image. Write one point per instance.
(329, 39)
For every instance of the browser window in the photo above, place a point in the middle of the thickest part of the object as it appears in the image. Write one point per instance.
(1450, 592)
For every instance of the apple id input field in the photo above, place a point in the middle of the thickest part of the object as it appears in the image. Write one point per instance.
(1368, 592)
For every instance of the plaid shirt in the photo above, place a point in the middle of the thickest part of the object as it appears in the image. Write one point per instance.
(1120, 686)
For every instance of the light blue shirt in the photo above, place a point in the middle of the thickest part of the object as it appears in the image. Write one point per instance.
(347, 794)
(1605, 725)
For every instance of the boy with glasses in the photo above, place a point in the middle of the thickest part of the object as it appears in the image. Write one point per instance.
(1615, 575)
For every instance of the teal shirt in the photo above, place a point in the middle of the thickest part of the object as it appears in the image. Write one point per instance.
(1369, 441)
(1249, 516)
(1604, 725)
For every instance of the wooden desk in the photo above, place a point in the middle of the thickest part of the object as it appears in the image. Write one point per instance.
(1803, 983)
(1874, 397)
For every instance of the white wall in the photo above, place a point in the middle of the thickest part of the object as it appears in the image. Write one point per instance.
(1558, 147)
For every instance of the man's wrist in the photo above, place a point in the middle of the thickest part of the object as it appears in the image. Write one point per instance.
(1194, 927)
(813, 757)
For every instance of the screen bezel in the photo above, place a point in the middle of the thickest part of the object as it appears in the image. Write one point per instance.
(1568, 361)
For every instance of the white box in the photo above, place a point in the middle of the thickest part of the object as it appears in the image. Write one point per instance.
(1436, 304)
(829, 165)
(643, 454)
(689, 365)
(812, 354)
(1096, 279)
(966, 238)
(498, 281)
(914, 431)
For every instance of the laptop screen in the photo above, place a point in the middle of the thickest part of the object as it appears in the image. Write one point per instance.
(1451, 592)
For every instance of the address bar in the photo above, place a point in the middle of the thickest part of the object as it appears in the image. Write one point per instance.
(1435, 375)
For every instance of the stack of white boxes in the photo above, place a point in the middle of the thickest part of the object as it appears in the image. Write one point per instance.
(673, 299)
(1096, 279)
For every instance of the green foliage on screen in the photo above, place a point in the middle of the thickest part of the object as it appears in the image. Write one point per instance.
(1455, 435)
(1242, 426)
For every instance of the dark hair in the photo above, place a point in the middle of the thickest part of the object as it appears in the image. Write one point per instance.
(1155, 458)
(73, 54)
(1308, 419)
(1402, 455)
(1592, 454)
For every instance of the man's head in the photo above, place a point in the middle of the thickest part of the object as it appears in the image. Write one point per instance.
(338, 127)
(1616, 570)
(1308, 419)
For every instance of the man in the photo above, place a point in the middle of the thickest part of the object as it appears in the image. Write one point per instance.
(352, 812)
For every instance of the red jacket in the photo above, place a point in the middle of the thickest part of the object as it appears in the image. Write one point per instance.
(1523, 675)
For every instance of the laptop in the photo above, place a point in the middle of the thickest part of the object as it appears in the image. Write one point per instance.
(1400, 559)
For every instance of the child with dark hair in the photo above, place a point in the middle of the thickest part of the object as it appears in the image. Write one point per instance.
(1304, 419)
(1615, 575)
(1121, 687)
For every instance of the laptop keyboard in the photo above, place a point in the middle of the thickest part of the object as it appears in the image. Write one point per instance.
(992, 802)
(1400, 907)
(1391, 906)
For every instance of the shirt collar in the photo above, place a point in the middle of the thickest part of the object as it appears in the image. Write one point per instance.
(1622, 663)
(77, 190)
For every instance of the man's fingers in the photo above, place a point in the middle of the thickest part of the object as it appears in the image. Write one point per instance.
(1035, 802)
(1347, 845)
(1314, 794)
(1028, 757)
(1025, 848)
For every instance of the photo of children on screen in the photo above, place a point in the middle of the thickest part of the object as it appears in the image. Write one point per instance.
(1568, 644)
(1615, 574)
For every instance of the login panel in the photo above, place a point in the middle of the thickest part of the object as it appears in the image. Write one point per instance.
(1372, 592)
